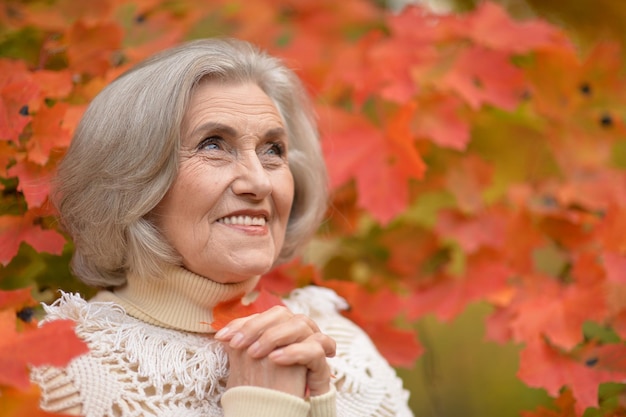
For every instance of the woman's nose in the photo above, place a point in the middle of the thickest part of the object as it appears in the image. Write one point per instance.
(252, 179)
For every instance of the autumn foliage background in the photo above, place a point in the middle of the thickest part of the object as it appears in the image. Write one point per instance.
(476, 162)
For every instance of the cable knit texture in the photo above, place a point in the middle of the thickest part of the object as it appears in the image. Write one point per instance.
(138, 368)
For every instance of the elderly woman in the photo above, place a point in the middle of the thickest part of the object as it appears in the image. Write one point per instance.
(189, 177)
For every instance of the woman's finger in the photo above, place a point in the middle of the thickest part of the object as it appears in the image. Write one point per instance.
(241, 333)
(311, 353)
(297, 329)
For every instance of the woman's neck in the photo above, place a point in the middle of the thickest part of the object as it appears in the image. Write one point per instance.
(181, 300)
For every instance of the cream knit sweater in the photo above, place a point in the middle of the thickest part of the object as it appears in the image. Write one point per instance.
(152, 354)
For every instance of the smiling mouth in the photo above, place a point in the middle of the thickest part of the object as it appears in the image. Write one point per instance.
(243, 220)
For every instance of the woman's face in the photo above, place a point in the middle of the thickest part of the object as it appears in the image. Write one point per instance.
(227, 211)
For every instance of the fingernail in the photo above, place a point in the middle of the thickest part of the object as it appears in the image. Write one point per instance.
(222, 332)
(237, 340)
(277, 353)
(254, 348)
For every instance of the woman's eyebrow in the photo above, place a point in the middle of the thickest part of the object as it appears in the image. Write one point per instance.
(275, 133)
(213, 127)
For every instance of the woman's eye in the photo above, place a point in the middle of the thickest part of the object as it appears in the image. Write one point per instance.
(276, 148)
(211, 143)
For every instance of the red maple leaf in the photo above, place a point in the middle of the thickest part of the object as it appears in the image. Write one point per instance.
(54, 343)
(289, 276)
(16, 299)
(439, 119)
(17, 90)
(20, 403)
(381, 162)
(558, 312)
(482, 76)
(34, 180)
(227, 311)
(472, 232)
(544, 366)
(485, 276)
(399, 347)
(375, 313)
(53, 84)
(17, 229)
(48, 133)
(90, 48)
(514, 36)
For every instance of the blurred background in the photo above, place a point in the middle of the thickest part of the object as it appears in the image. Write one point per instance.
(460, 373)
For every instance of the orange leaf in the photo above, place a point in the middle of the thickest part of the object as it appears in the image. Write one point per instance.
(53, 84)
(14, 230)
(558, 313)
(514, 36)
(399, 347)
(439, 120)
(381, 162)
(34, 181)
(16, 92)
(16, 299)
(91, 48)
(485, 276)
(20, 403)
(482, 76)
(543, 366)
(227, 311)
(375, 313)
(471, 232)
(286, 277)
(48, 133)
(54, 343)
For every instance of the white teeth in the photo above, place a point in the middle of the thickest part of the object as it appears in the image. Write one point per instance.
(243, 220)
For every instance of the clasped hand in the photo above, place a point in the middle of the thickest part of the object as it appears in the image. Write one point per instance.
(279, 350)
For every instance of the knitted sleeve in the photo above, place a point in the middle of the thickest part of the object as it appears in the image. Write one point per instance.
(367, 386)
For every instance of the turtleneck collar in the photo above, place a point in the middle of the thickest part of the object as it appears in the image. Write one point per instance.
(181, 300)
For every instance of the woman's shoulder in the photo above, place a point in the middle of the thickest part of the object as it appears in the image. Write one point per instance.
(315, 301)
(366, 384)
(74, 307)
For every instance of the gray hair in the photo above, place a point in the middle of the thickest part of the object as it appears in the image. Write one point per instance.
(124, 157)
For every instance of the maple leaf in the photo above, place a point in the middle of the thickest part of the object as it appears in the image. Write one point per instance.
(513, 36)
(558, 312)
(482, 76)
(543, 366)
(16, 299)
(53, 84)
(7, 156)
(48, 133)
(409, 247)
(286, 277)
(485, 276)
(17, 90)
(227, 311)
(398, 346)
(439, 119)
(54, 343)
(471, 232)
(90, 47)
(381, 162)
(20, 403)
(468, 181)
(17, 229)
(375, 313)
(34, 181)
